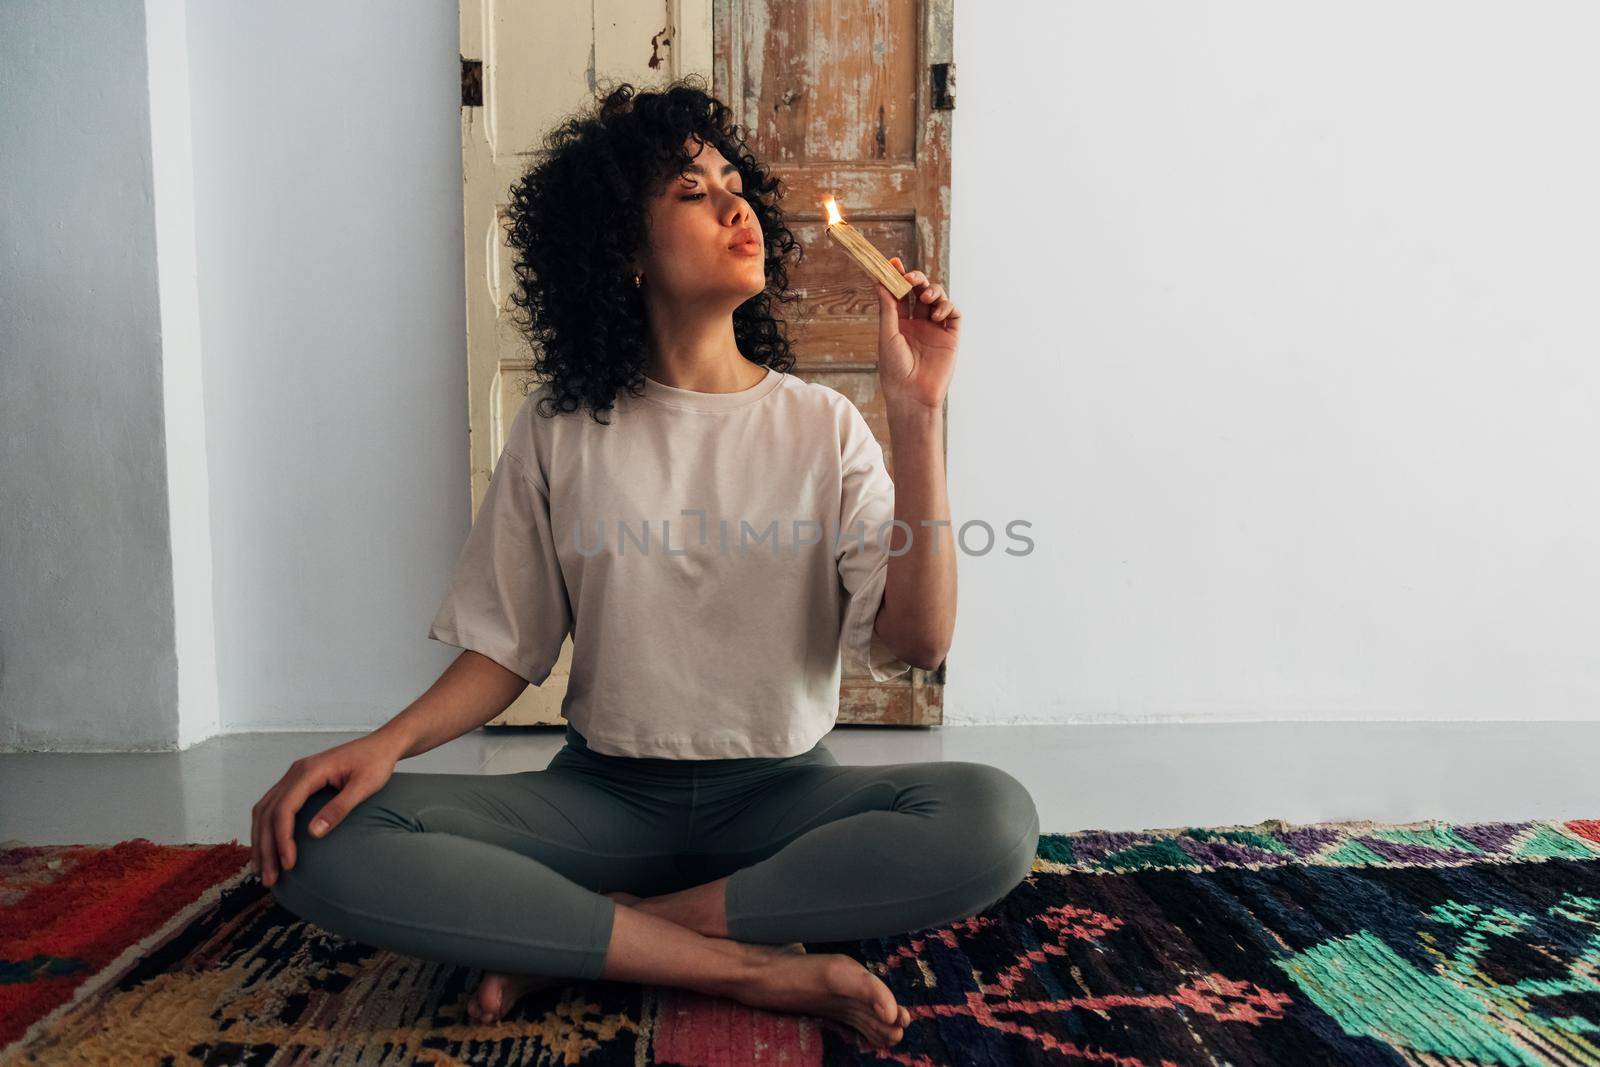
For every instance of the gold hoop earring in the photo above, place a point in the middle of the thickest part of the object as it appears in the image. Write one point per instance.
(638, 280)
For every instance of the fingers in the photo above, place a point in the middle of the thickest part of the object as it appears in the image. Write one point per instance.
(283, 828)
(272, 829)
(888, 310)
(910, 276)
(929, 299)
(283, 816)
(885, 296)
(261, 836)
(333, 812)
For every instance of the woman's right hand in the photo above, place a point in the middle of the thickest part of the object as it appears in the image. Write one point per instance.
(356, 768)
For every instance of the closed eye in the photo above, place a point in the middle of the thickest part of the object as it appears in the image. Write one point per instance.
(697, 196)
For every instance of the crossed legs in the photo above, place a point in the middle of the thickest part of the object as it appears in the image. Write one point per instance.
(521, 875)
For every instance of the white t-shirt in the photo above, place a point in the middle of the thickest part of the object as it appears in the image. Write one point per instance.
(723, 632)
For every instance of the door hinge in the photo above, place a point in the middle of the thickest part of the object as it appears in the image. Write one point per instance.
(471, 82)
(944, 86)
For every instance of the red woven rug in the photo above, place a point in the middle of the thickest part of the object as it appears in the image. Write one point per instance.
(68, 912)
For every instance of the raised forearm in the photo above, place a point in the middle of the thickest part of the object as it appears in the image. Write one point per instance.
(918, 616)
(470, 692)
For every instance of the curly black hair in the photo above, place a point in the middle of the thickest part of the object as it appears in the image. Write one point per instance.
(576, 217)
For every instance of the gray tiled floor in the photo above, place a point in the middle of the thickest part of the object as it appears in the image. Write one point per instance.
(1103, 777)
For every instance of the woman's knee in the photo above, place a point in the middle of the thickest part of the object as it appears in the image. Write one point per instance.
(1001, 823)
(312, 855)
(988, 836)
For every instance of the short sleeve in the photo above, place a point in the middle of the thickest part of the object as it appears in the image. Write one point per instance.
(867, 499)
(506, 598)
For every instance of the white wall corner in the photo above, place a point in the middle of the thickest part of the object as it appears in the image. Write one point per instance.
(183, 398)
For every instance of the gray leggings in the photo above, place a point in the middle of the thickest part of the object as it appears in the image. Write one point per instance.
(506, 872)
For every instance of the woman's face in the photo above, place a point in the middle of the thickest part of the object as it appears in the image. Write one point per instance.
(693, 224)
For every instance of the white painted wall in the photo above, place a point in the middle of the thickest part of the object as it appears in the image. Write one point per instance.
(1281, 330)
(87, 654)
(328, 213)
(1284, 310)
(233, 473)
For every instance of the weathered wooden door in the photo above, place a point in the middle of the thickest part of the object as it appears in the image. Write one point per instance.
(853, 99)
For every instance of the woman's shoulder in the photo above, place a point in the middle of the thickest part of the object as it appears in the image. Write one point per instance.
(836, 405)
(819, 397)
(533, 435)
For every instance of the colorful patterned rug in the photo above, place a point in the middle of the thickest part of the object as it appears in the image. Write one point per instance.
(1274, 944)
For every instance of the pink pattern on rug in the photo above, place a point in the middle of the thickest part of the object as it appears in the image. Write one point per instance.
(694, 1030)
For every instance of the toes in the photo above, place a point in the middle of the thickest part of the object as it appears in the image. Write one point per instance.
(875, 1030)
(885, 1038)
(485, 1004)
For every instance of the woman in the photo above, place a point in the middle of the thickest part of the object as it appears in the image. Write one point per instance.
(694, 830)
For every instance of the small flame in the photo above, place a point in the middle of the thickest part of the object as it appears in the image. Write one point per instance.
(834, 217)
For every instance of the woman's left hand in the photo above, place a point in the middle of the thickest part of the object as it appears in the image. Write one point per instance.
(917, 348)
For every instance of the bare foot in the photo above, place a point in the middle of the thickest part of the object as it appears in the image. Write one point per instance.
(499, 991)
(755, 950)
(833, 986)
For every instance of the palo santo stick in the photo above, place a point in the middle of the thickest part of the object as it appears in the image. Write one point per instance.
(864, 252)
